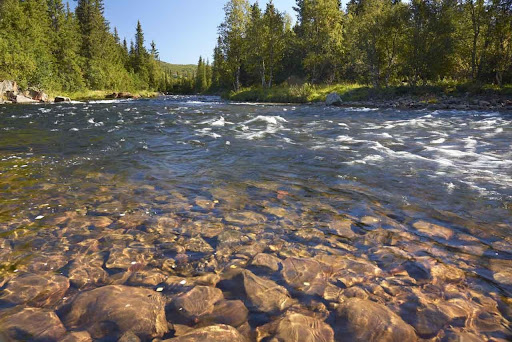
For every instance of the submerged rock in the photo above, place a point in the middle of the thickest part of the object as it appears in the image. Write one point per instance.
(191, 306)
(266, 261)
(367, 321)
(229, 312)
(295, 327)
(245, 218)
(260, 294)
(433, 230)
(35, 290)
(83, 274)
(217, 333)
(114, 310)
(80, 336)
(31, 324)
(305, 274)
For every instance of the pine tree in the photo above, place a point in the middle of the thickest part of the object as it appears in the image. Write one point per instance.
(274, 23)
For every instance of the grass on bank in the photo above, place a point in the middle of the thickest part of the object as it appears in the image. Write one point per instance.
(356, 92)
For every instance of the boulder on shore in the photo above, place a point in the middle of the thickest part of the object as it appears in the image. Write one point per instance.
(6, 86)
(37, 95)
(333, 99)
(21, 99)
(61, 99)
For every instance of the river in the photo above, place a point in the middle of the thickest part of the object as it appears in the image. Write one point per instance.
(277, 220)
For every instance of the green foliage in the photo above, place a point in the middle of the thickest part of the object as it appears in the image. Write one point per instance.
(381, 43)
(45, 45)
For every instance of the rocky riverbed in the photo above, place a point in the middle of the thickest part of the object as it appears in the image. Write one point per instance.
(190, 219)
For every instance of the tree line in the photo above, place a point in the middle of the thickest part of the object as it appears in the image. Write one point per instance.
(44, 44)
(374, 42)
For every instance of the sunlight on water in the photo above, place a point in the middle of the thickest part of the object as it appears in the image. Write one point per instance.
(261, 217)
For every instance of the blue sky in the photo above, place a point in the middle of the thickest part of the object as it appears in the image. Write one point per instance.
(183, 30)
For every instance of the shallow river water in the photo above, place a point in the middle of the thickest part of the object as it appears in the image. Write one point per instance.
(200, 220)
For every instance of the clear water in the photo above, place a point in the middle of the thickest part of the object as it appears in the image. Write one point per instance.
(281, 175)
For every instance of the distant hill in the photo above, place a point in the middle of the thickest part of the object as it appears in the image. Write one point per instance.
(179, 69)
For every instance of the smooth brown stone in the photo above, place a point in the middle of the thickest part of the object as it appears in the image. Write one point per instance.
(342, 228)
(267, 261)
(121, 308)
(433, 230)
(295, 327)
(81, 336)
(82, 275)
(245, 218)
(31, 324)
(128, 258)
(213, 333)
(367, 321)
(191, 306)
(264, 294)
(129, 336)
(35, 290)
(229, 312)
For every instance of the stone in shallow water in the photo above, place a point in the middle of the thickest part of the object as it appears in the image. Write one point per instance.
(217, 333)
(349, 270)
(231, 237)
(114, 310)
(245, 218)
(296, 327)
(305, 274)
(267, 261)
(433, 230)
(35, 290)
(261, 294)
(46, 263)
(82, 275)
(229, 312)
(343, 228)
(189, 307)
(462, 336)
(426, 318)
(31, 324)
(367, 321)
(146, 278)
(80, 336)
(126, 258)
(129, 336)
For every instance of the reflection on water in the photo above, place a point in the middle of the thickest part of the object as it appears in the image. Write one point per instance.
(256, 222)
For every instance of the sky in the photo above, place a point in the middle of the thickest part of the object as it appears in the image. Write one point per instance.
(183, 30)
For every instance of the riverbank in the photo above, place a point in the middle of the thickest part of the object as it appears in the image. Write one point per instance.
(461, 96)
(96, 95)
(11, 93)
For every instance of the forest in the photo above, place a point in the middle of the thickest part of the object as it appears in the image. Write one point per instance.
(379, 43)
(374, 42)
(45, 45)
